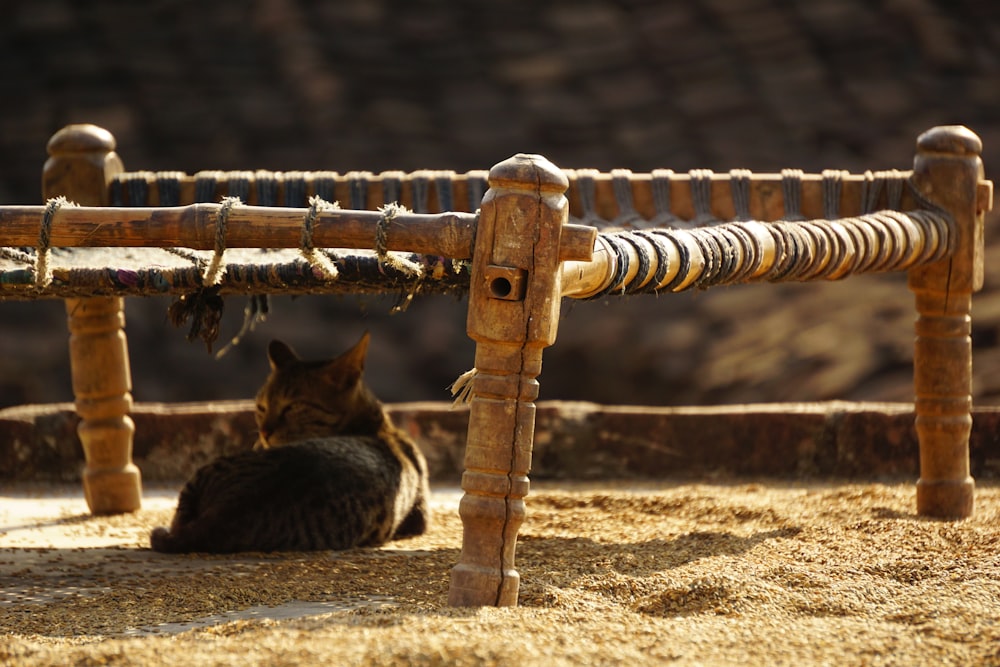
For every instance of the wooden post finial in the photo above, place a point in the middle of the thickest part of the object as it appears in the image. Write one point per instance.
(947, 172)
(82, 160)
(81, 163)
(950, 140)
(81, 138)
(514, 300)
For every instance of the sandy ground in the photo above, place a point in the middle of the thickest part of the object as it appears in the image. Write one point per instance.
(689, 574)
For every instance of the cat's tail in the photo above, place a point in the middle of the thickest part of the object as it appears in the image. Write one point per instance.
(163, 541)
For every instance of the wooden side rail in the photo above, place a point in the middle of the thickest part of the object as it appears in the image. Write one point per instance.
(197, 226)
(646, 260)
(596, 197)
(673, 260)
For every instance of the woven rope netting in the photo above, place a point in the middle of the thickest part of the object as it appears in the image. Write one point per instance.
(644, 254)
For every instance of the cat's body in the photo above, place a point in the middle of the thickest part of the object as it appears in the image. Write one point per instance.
(330, 470)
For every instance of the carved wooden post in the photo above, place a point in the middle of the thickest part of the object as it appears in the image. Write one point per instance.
(513, 314)
(82, 161)
(947, 171)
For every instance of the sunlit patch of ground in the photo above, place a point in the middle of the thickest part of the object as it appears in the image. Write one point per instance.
(744, 573)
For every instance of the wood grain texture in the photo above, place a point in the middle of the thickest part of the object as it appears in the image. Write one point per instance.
(947, 170)
(514, 299)
(194, 226)
(81, 163)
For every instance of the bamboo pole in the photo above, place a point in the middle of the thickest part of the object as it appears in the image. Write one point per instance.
(82, 161)
(195, 225)
(742, 252)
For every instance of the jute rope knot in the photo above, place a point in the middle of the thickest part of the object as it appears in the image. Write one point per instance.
(461, 388)
(316, 259)
(43, 272)
(387, 213)
(215, 271)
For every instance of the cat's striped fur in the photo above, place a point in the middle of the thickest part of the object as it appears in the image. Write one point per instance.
(330, 470)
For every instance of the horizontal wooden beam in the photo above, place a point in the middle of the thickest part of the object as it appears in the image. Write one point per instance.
(195, 226)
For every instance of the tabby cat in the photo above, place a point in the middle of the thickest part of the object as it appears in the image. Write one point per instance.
(329, 471)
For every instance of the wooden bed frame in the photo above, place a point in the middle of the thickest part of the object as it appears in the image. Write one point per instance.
(540, 234)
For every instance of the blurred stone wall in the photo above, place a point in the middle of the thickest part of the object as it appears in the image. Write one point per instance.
(387, 84)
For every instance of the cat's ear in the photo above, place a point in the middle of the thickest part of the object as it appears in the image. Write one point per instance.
(355, 357)
(351, 364)
(280, 355)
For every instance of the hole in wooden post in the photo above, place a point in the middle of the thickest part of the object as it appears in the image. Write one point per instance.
(506, 283)
(501, 288)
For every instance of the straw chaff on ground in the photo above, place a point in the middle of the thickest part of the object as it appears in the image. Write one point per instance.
(715, 574)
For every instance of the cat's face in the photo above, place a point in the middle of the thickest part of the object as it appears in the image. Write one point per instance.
(311, 399)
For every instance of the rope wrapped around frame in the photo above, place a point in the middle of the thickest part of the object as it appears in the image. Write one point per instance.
(105, 272)
(672, 260)
(658, 252)
(618, 197)
(122, 269)
(635, 262)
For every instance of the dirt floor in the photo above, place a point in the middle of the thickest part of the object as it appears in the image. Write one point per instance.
(763, 573)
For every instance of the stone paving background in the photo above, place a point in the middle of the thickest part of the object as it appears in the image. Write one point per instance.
(387, 84)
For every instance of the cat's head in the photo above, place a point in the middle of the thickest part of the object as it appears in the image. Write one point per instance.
(314, 399)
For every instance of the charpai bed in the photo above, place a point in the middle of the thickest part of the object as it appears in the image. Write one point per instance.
(517, 239)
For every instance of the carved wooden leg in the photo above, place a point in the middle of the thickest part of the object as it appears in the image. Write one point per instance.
(497, 460)
(102, 385)
(82, 161)
(942, 382)
(947, 170)
(513, 313)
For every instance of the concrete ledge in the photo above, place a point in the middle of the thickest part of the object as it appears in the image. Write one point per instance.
(572, 441)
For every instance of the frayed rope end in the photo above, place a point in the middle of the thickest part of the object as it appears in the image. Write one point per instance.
(461, 389)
